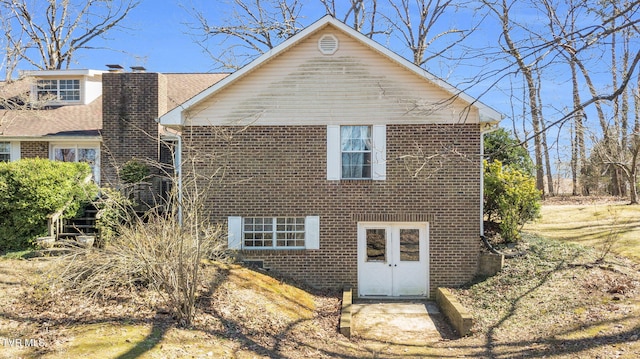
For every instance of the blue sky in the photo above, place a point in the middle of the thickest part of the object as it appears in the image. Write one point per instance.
(157, 37)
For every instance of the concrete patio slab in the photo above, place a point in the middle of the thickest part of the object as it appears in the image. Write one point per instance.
(404, 323)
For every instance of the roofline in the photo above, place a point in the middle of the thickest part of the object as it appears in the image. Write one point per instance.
(50, 138)
(73, 72)
(174, 117)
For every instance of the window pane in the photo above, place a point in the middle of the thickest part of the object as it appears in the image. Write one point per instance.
(47, 84)
(355, 142)
(70, 95)
(87, 155)
(270, 232)
(5, 147)
(355, 138)
(65, 154)
(356, 165)
(4, 157)
(376, 245)
(47, 90)
(410, 245)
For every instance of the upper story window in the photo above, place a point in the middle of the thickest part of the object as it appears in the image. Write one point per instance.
(356, 148)
(5, 151)
(356, 152)
(58, 90)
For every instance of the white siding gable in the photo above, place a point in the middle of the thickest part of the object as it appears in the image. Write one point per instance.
(356, 84)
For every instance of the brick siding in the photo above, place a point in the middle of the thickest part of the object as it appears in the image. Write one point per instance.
(281, 171)
(131, 103)
(32, 149)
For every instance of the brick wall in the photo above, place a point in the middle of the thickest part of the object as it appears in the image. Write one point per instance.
(34, 149)
(131, 103)
(281, 171)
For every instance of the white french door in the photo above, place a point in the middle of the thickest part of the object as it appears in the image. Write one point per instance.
(393, 259)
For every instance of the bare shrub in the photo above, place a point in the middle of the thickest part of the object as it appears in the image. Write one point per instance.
(157, 250)
(612, 236)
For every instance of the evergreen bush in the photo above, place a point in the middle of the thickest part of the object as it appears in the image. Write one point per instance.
(31, 190)
(510, 198)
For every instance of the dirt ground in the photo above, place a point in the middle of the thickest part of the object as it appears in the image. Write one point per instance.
(552, 303)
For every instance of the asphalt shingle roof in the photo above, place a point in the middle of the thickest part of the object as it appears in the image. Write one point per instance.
(83, 120)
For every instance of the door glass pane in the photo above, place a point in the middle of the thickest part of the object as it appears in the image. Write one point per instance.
(89, 155)
(65, 154)
(376, 245)
(410, 245)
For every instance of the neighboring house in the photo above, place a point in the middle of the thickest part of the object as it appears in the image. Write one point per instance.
(58, 114)
(340, 163)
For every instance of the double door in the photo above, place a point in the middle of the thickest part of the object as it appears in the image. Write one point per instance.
(393, 259)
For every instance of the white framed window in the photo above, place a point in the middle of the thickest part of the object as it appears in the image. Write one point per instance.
(58, 90)
(356, 152)
(274, 232)
(5, 151)
(89, 154)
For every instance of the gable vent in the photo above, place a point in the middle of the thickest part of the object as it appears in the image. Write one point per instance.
(328, 44)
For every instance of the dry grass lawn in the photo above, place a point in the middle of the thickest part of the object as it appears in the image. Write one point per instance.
(558, 301)
(595, 225)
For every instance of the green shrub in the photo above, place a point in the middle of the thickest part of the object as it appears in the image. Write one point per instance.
(510, 198)
(500, 145)
(32, 189)
(134, 172)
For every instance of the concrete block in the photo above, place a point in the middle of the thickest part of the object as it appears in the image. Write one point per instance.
(345, 314)
(455, 313)
(490, 264)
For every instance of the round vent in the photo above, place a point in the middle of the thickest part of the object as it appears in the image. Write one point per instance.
(328, 44)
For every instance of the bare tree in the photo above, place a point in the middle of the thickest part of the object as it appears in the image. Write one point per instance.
(359, 14)
(502, 10)
(252, 28)
(416, 21)
(47, 34)
(531, 47)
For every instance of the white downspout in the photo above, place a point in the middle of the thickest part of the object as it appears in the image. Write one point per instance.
(178, 169)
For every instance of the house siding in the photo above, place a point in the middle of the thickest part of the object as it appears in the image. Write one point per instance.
(281, 171)
(304, 87)
(34, 149)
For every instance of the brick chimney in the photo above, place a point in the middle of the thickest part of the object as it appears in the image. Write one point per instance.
(131, 102)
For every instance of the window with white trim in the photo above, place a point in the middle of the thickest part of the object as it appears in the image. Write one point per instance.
(356, 152)
(277, 232)
(274, 232)
(5, 151)
(58, 90)
(355, 149)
